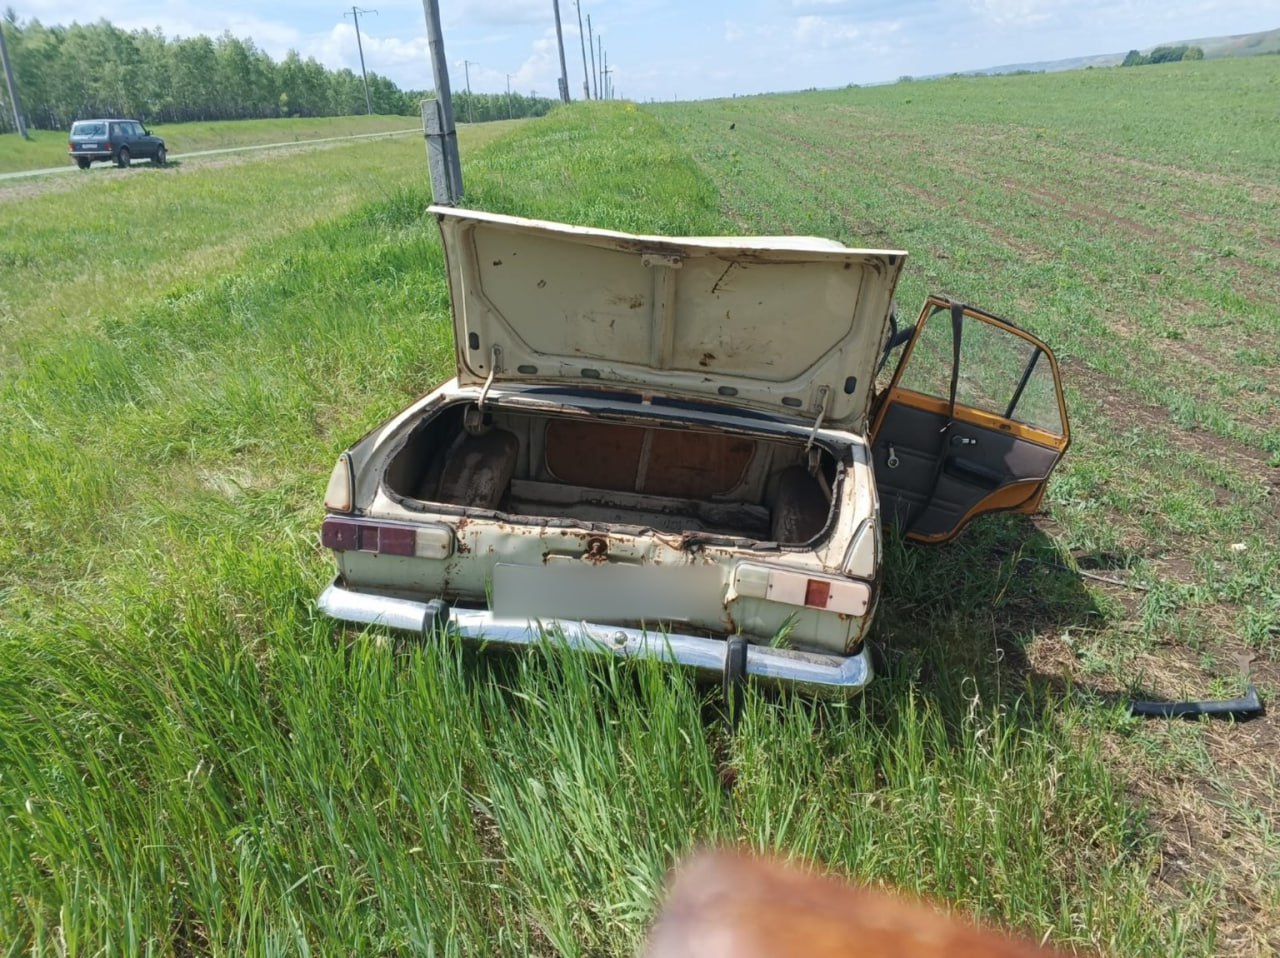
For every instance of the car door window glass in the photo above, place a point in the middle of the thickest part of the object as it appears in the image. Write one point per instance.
(1000, 372)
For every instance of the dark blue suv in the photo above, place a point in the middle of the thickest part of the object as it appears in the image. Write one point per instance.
(116, 141)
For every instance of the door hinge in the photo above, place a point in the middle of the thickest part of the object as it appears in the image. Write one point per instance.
(495, 366)
(823, 392)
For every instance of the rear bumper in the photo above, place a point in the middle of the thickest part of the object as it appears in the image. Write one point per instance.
(833, 675)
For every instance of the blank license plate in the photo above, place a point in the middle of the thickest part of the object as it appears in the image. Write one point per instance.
(609, 592)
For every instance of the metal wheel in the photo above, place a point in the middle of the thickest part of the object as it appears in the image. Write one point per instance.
(122, 158)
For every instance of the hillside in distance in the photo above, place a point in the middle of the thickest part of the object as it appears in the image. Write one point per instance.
(1237, 45)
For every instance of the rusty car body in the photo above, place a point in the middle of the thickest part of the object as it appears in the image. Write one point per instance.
(675, 447)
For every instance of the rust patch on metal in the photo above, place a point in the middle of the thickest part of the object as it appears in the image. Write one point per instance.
(597, 550)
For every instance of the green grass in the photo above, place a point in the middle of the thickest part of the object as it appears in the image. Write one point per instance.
(192, 761)
(1140, 243)
(48, 148)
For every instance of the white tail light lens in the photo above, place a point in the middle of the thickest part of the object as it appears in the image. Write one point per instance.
(800, 588)
(340, 495)
(863, 558)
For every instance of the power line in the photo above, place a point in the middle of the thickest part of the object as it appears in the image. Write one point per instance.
(355, 15)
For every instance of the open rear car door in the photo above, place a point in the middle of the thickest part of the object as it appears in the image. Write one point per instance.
(973, 421)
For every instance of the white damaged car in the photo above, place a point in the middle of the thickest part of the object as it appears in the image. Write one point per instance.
(674, 447)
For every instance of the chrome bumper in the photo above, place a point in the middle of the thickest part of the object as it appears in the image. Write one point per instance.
(829, 674)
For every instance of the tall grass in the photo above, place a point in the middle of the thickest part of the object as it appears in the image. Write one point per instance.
(191, 761)
(1127, 219)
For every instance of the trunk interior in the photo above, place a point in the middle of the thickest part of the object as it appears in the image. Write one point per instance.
(668, 479)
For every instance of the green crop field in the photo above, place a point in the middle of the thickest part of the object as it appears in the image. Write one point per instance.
(48, 148)
(191, 761)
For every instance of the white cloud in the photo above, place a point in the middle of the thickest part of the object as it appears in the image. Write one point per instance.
(1021, 12)
(826, 32)
(504, 12)
(388, 56)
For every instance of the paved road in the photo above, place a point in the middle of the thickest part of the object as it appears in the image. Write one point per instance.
(70, 168)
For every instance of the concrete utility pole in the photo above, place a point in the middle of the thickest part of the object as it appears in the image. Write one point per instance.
(437, 116)
(510, 116)
(604, 72)
(466, 66)
(564, 71)
(355, 15)
(18, 120)
(591, 43)
(600, 76)
(582, 39)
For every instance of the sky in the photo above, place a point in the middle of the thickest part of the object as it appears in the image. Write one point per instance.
(667, 49)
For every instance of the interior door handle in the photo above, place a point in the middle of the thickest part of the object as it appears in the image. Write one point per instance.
(972, 472)
(963, 441)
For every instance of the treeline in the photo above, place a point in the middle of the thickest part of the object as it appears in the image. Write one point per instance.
(1163, 55)
(91, 70)
(483, 107)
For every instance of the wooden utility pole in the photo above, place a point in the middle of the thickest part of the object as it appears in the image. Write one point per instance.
(591, 43)
(355, 15)
(466, 66)
(18, 119)
(437, 115)
(582, 39)
(564, 71)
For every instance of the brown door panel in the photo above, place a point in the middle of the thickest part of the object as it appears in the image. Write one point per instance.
(982, 469)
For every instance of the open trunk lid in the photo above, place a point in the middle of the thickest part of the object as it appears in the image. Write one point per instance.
(789, 325)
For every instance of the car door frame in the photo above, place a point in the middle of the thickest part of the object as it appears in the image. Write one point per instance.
(1040, 450)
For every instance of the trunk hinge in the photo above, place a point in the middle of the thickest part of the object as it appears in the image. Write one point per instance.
(495, 366)
(822, 411)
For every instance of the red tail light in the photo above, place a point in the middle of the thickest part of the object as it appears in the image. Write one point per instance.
(428, 541)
